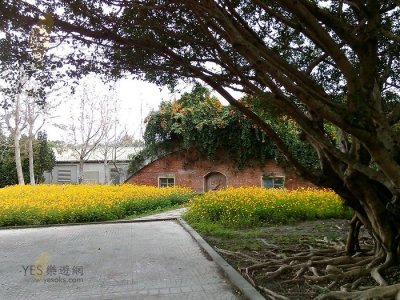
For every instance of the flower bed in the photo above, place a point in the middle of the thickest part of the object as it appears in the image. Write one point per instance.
(251, 206)
(54, 204)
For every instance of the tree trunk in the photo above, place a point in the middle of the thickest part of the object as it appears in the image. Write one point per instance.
(114, 159)
(105, 165)
(376, 218)
(121, 177)
(80, 172)
(106, 181)
(31, 167)
(18, 164)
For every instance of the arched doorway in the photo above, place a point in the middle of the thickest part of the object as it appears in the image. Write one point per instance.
(214, 181)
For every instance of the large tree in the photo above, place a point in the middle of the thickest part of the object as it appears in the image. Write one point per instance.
(322, 63)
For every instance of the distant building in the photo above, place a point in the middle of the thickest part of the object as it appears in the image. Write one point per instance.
(185, 168)
(95, 170)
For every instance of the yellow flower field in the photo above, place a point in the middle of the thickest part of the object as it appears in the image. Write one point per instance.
(241, 207)
(249, 206)
(50, 204)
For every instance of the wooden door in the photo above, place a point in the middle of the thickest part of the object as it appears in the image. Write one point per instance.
(215, 181)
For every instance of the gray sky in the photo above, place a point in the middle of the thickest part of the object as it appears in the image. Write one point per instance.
(137, 99)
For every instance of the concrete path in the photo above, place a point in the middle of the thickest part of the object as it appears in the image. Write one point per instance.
(170, 214)
(143, 260)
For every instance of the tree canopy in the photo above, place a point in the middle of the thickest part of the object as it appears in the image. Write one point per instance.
(324, 64)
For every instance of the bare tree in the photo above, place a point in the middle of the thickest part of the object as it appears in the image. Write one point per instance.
(115, 146)
(121, 144)
(28, 77)
(14, 118)
(110, 111)
(26, 112)
(116, 138)
(31, 119)
(39, 40)
(3, 140)
(88, 122)
(36, 117)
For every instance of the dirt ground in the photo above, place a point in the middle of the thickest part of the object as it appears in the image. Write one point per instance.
(267, 253)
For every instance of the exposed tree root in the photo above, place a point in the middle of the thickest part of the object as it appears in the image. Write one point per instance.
(378, 293)
(324, 273)
(272, 295)
(237, 254)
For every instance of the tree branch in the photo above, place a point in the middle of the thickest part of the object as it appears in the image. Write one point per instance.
(394, 116)
(390, 35)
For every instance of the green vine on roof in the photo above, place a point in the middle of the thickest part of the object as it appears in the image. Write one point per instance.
(199, 120)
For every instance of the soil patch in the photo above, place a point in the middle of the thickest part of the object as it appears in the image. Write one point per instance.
(258, 250)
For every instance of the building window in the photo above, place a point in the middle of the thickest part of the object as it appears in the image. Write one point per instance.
(64, 176)
(165, 182)
(273, 182)
(91, 177)
(115, 176)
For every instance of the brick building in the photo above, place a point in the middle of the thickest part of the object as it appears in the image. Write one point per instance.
(185, 168)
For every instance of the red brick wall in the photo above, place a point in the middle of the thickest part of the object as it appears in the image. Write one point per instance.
(189, 171)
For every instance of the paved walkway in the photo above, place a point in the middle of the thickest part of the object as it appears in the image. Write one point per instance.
(171, 214)
(140, 260)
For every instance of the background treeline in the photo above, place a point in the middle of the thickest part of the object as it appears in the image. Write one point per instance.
(44, 159)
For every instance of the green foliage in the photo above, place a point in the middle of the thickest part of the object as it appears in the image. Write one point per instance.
(44, 157)
(199, 120)
(43, 160)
